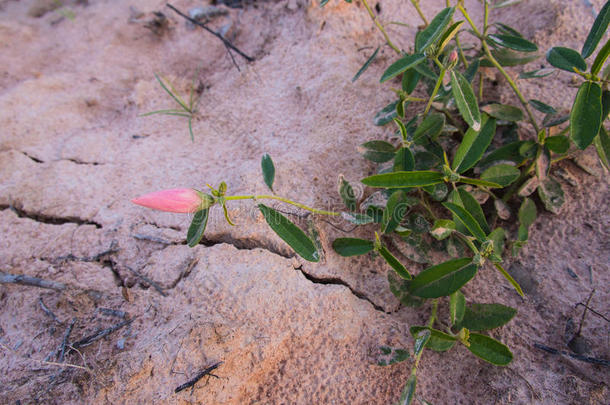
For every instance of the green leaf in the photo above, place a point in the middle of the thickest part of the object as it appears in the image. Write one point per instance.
(438, 192)
(389, 355)
(442, 228)
(502, 174)
(404, 160)
(434, 30)
(551, 194)
(552, 120)
(598, 29)
(557, 143)
(472, 70)
(474, 145)
(443, 279)
(402, 65)
(439, 341)
(504, 112)
(527, 215)
(410, 78)
(394, 263)
(536, 74)
(448, 35)
(377, 151)
(465, 100)
(602, 144)
(508, 30)
(498, 236)
(478, 182)
(586, 116)
(430, 128)
(386, 115)
(403, 179)
(479, 317)
(600, 59)
(197, 227)
(566, 59)
(347, 194)
(347, 247)
(465, 200)
(489, 349)
(421, 339)
(290, 233)
(508, 57)
(542, 107)
(467, 219)
(510, 278)
(457, 306)
(366, 65)
(408, 393)
(508, 152)
(268, 170)
(513, 42)
(394, 212)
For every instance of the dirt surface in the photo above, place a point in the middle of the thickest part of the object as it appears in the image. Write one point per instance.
(74, 150)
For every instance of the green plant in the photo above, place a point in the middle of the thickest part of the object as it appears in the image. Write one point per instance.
(455, 205)
(186, 110)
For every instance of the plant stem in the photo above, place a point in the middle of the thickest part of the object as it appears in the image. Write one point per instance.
(430, 323)
(282, 199)
(437, 86)
(378, 24)
(421, 14)
(496, 64)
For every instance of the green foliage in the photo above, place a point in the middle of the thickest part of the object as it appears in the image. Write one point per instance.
(268, 170)
(186, 110)
(290, 233)
(197, 227)
(457, 166)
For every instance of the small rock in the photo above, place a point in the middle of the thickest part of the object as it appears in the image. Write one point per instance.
(41, 7)
(120, 344)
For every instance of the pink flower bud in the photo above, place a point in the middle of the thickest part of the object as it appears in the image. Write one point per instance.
(453, 56)
(183, 200)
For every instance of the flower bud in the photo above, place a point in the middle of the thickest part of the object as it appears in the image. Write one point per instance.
(453, 57)
(182, 200)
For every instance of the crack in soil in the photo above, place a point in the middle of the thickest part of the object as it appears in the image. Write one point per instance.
(49, 219)
(252, 244)
(339, 281)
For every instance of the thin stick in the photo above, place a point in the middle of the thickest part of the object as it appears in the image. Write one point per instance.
(64, 342)
(47, 310)
(198, 377)
(52, 363)
(225, 41)
(30, 281)
(584, 312)
(592, 360)
(594, 311)
(99, 334)
(149, 281)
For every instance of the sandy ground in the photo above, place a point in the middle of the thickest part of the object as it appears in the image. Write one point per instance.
(74, 151)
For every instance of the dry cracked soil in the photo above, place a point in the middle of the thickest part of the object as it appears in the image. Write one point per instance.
(146, 313)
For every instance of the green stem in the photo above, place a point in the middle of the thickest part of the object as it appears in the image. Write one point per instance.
(378, 24)
(421, 14)
(430, 323)
(437, 86)
(497, 65)
(282, 199)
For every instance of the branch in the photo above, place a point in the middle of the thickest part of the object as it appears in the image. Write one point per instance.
(30, 281)
(225, 41)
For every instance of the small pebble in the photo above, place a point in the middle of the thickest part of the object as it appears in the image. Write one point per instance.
(120, 343)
